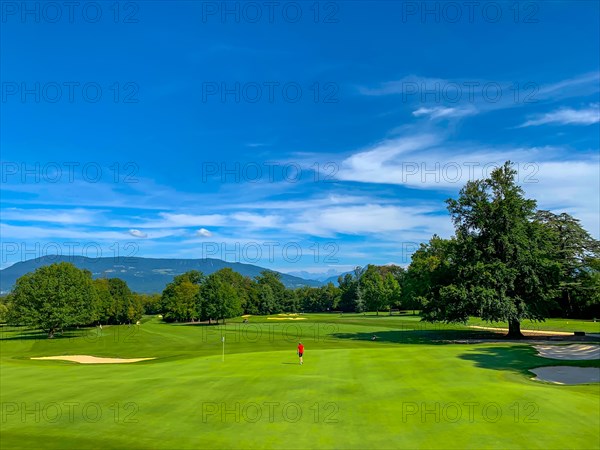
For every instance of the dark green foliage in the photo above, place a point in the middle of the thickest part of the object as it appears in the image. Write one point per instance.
(54, 297)
(577, 255)
(500, 262)
(222, 295)
(180, 299)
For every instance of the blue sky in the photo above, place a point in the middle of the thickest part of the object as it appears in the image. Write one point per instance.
(299, 136)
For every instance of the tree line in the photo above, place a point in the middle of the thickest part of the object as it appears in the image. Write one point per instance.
(225, 294)
(59, 296)
(507, 261)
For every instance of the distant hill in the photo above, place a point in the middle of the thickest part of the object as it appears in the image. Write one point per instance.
(315, 276)
(143, 275)
(334, 279)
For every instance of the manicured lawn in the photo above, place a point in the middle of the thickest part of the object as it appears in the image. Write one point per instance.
(407, 389)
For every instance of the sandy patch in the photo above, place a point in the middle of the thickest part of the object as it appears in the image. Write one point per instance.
(290, 314)
(86, 359)
(245, 316)
(570, 352)
(286, 318)
(525, 332)
(567, 374)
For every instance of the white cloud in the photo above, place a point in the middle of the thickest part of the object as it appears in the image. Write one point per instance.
(367, 220)
(203, 232)
(440, 112)
(138, 233)
(567, 116)
(257, 220)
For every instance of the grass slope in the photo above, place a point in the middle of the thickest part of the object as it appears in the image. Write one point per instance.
(407, 389)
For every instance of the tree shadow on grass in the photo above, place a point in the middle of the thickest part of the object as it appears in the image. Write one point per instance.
(429, 337)
(33, 335)
(516, 358)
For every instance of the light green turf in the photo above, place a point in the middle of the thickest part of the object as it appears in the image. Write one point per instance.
(351, 392)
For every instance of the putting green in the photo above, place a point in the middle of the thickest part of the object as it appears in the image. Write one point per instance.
(407, 389)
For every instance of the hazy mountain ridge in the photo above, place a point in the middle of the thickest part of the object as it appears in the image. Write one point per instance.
(144, 275)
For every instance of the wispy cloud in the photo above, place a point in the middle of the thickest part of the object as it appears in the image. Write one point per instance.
(440, 112)
(567, 116)
(438, 98)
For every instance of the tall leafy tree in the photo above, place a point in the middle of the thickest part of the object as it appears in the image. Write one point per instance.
(348, 285)
(360, 304)
(107, 308)
(391, 291)
(180, 301)
(372, 289)
(128, 309)
(273, 280)
(222, 295)
(54, 297)
(504, 270)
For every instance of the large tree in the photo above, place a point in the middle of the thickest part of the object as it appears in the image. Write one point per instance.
(504, 270)
(107, 309)
(54, 297)
(180, 300)
(348, 292)
(129, 308)
(221, 295)
(371, 289)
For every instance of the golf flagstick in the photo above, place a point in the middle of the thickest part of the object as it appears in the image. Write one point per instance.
(223, 341)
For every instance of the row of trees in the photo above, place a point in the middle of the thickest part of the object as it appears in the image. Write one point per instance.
(60, 295)
(226, 293)
(507, 261)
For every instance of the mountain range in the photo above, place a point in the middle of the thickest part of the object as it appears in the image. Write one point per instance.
(143, 275)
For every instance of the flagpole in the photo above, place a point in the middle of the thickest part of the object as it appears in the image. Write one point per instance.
(223, 341)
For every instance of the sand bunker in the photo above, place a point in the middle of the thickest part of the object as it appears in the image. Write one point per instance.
(569, 352)
(86, 359)
(245, 316)
(286, 318)
(287, 315)
(567, 374)
(525, 332)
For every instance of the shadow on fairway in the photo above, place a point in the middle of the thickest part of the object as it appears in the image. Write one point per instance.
(27, 334)
(429, 337)
(518, 358)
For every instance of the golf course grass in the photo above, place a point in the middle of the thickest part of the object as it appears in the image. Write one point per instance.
(413, 387)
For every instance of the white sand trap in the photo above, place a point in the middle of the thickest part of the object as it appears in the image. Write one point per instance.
(245, 316)
(284, 314)
(86, 359)
(525, 332)
(570, 352)
(567, 374)
(286, 318)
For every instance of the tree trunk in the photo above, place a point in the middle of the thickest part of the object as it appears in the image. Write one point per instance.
(514, 329)
(51, 334)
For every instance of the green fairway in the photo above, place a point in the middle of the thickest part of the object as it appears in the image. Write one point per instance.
(409, 388)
